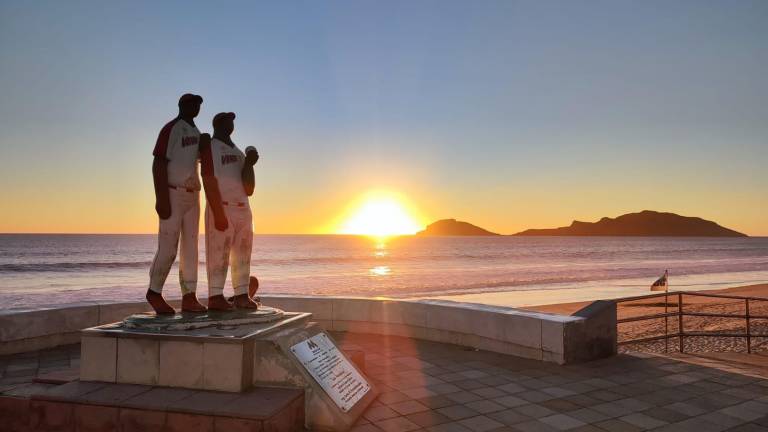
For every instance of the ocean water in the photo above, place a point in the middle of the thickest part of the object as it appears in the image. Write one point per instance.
(44, 270)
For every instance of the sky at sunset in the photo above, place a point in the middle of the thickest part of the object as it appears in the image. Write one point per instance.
(506, 114)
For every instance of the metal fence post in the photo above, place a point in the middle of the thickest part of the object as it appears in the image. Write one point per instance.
(680, 320)
(749, 336)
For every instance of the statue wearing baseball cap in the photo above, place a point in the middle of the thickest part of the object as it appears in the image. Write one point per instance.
(177, 202)
(228, 179)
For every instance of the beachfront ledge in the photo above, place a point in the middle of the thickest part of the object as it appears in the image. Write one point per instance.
(586, 335)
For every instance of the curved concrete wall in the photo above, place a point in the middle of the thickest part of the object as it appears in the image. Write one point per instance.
(548, 337)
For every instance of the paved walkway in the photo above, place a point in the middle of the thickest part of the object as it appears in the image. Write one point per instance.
(435, 387)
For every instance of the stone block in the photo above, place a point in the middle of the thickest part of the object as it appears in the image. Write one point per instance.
(31, 324)
(352, 309)
(132, 420)
(180, 422)
(223, 366)
(522, 330)
(553, 336)
(94, 418)
(181, 364)
(51, 416)
(98, 358)
(14, 414)
(138, 361)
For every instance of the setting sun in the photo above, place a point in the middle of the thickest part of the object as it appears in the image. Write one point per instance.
(380, 214)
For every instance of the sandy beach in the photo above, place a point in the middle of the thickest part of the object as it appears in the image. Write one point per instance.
(655, 327)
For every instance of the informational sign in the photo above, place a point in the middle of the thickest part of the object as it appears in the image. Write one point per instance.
(331, 369)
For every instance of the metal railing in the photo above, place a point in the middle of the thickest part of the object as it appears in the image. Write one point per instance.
(678, 311)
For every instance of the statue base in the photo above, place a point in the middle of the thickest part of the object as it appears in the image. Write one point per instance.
(231, 352)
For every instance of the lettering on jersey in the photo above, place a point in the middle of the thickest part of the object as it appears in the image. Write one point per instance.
(229, 158)
(189, 140)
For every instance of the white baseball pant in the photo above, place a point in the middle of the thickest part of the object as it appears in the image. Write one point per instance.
(231, 245)
(183, 223)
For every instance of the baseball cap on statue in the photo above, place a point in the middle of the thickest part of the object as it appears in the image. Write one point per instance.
(218, 118)
(190, 97)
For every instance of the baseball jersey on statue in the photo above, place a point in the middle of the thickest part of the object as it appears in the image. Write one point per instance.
(225, 162)
(178, 143)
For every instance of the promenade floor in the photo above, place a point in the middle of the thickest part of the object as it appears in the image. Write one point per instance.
(428, 386)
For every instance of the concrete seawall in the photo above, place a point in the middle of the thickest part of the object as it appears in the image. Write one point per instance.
(589, 334)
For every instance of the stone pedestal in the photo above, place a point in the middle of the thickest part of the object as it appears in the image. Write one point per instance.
(231, 352)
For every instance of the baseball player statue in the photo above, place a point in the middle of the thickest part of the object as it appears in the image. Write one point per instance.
(228, 179)
(177, 202)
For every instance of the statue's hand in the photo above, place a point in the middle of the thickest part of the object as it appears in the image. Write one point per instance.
(163, 208)
(251, 155)
(220, 222)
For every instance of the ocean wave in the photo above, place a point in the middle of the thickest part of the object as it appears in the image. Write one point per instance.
(71, 266)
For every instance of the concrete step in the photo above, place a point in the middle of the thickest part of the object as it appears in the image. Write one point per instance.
(97, 406)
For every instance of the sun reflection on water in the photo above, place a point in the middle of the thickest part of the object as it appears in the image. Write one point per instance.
(380, 271)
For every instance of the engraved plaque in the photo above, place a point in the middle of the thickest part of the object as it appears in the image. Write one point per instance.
(331, 369)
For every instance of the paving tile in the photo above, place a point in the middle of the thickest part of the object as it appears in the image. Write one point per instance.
(489, 392)
(463, 397)
(512, 388)
(747, 411)
(560, 405)
(365, 428)
(428, 418)
(397, 424)
(615, 425)
(449, 427)
(435, 402)
(408, 407)
(642, 421)
(509, 417)
(534, 426)
(457, 412)
(686, 408)
(485, 406)
(534, 410)
(392, 397)
(562, 421)
(534, 396)
(510, 401)
(481, 423)
(558, 392)
(376, 414)
(418, 392)
(113, 394)
(588, 415)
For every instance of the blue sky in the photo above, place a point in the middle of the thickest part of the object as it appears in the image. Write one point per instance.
(508, 114)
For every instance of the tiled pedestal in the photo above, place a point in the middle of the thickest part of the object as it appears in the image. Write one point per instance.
(226, 359)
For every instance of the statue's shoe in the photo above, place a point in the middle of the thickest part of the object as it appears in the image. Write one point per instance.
(219, 303)
(159, 304)
(190, 303)
(243, 301)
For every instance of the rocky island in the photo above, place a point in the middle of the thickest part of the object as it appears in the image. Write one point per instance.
(645, 223)
(452, 227)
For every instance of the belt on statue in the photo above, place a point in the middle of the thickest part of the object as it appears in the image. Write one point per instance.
(183, 189)
(233, 204)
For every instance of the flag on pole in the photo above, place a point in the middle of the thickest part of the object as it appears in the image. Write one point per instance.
(661, 283)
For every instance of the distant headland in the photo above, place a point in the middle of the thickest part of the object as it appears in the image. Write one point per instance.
(452, 227)
(646, 223)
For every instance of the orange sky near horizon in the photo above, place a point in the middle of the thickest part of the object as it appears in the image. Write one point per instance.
(502, 209)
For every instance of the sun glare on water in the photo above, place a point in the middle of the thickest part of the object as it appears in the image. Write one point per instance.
(380, 215)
